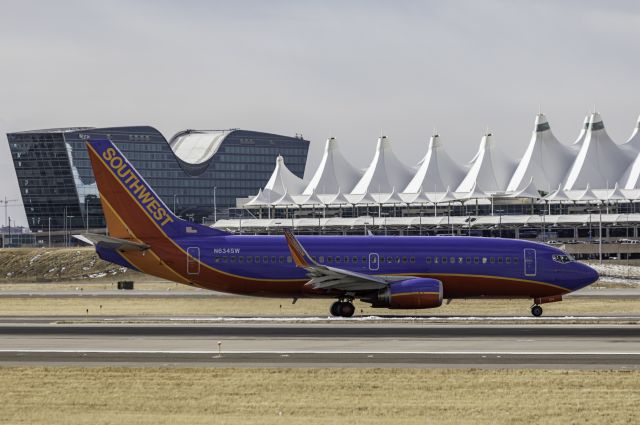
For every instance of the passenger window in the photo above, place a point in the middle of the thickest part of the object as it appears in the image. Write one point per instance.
(257, 259)
(515, 260)
(337, 259)
(216, 260)
(281, 259)
(346, 259)
(321, 259)
(364, 260)
(233, 259)
(492, 260)
(289, 259)
(224, 259)
(249, 259)
(460, 260)
(507, 260)
(484, 260)
(428, 260)
(329, 259)
(412, 260)
(404, 260)
(476, 260)
(398, 260)
(468, 260)
(444, 260)
(389, 260)
(273, 259)
(265, 259)
(354, 259)
(452, 260)
(499, 260)
(241, 259)
(435, 260)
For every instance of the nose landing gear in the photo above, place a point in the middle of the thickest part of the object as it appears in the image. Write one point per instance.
(342, 309)
(536, 310)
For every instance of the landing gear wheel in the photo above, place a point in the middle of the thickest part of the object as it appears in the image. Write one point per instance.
(336, 308)
(536, 310)
(347, 309)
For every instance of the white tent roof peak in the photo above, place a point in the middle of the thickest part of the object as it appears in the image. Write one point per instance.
(312, 199)
(616, 194)
(558, 195)
(490, 168)
(285, 199)
(333, 172)
(447, 196)
(436, 171)
(583, 133)
(599, 162)
(546, 160)
(475, 193)
(385, 171)
(587, 195)
(529, 191)
(282, 180)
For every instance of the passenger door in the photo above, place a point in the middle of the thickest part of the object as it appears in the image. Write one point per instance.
(193, 260)
(374, 261)
(529, 262)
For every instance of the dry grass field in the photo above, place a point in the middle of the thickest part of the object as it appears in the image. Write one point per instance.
(107, 395)
(248, 306)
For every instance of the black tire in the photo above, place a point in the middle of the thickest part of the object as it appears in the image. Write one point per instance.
(347, 309)
(536, 310)
(336, 308)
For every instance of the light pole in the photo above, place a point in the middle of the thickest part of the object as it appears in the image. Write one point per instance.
(499, 222)
(215, 206)
(174, 204)
(49, 232)
(87, 212)
(600, 234)
(68, 234)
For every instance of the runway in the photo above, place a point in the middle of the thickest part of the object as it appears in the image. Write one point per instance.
(323, 345)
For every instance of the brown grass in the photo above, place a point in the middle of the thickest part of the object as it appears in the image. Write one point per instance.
(107, 395)
(246, 306)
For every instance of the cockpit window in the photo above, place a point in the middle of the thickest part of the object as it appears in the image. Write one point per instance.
(563, 258)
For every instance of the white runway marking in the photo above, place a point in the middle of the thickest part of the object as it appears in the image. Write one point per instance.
(391, 319)
(288, 352)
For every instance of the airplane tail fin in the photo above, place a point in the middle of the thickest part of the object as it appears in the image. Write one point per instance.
(132, 209)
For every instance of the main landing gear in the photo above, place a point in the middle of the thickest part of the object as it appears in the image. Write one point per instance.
(536, 310)
(342, 309)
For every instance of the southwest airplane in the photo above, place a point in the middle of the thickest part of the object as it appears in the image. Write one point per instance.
(392, 272)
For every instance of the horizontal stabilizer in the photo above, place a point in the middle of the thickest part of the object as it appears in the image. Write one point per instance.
(112, 243)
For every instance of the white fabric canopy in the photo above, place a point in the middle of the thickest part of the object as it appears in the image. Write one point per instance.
(334, 172)
(546, 160)
(600, 162)
(384, 172)
(490, 168)
(436, 171)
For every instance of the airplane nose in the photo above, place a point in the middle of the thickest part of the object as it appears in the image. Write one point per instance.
(590, 274)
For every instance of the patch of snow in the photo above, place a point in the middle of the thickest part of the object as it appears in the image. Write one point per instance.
(97, 275)
(34, 258)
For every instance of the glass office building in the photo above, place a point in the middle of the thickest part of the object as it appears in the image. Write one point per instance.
(195, 172)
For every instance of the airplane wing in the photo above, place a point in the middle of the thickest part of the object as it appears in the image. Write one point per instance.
(327, 277)
(112, 243)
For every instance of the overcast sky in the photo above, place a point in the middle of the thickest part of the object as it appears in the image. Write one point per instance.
(344, 68)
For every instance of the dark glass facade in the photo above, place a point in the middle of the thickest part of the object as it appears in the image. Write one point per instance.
(58, 187)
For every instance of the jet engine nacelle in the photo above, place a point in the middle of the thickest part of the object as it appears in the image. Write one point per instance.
(410, 294)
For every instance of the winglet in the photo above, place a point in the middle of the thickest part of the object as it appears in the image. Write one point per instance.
(300, 256)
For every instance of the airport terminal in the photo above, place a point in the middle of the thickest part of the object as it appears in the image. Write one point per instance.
(251, 182)
(199, 173)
